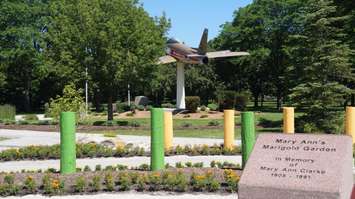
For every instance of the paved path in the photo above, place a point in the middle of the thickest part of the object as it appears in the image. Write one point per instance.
(130, 162)
(135, 195)
(21, 138)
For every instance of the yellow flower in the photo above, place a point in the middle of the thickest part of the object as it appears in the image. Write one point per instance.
(200, 177)
(55, 184)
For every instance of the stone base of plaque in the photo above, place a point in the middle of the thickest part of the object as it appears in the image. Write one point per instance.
(299, 166)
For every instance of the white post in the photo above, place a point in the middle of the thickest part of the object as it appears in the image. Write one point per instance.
(86, 92)
(180, 86)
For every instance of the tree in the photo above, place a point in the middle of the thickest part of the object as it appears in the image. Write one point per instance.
(21, 67)
(321, 64)
(262, 28)
(115, 39)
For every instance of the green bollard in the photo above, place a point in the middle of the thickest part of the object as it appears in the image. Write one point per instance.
(157, 139)
(67, 143)
(248, 135)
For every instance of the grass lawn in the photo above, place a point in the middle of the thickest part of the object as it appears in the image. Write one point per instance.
(3, 138)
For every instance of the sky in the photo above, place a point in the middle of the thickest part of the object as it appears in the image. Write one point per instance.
(190, 17)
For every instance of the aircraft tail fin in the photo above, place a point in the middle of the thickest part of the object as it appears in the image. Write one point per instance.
(203, 43)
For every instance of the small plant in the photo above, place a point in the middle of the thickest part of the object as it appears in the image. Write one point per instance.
(187, 116)
(130, 114)
(232, 180)
(188, 164)
(179, 165)
(154, 180)
(186, 124)
(141, 182)
(134, 124)
(95, 184)
(204, 116)
(124, 181)
(121, 167)
(109, 168)
(109, 182)
(203, 108)
(143, 167)
(179, 150)
(9, 179)
(98, 167)
(198, 165)
(29, 185)
(198, 182)
(213, 123)
(7, 112)
(80, 184)
(87, 168)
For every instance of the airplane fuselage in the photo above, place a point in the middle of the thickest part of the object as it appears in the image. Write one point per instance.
(186, 54)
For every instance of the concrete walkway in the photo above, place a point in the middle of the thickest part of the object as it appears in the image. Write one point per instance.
(21, 138)
(130, 162)
(136, 195)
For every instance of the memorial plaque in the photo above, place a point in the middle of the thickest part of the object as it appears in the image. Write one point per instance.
(295, 166)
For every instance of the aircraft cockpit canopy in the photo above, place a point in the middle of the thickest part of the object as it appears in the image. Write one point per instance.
(172, 41)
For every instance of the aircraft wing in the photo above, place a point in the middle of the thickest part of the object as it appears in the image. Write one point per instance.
(225, 53)
(166, 59)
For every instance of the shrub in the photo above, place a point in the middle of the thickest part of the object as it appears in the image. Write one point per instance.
(29, 185)
(140, 107)
(134, 124)
(179, 165)
(9, 179)
(80, 184)
(198, 165)
(32, 117)
(130, 114)
(141, 182)
(121, 167)
(122, 107)
(192, 103)
(71, 100)
(241, 100)
(144, 167)
(7, 112)
(167, 105)
(226, 99)
(269, 123)
(213, 107)
(203, 108)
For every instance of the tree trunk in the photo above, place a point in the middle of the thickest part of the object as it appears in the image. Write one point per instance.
(262, 100)
(109, 107)
(278, 102)
(256, 101)
(97, 100)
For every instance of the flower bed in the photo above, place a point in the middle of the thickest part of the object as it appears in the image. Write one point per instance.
(172, 180)
(92, 150)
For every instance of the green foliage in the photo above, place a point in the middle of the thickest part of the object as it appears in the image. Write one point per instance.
(226, 99)
(7, 112)
(192, 103)
(31, 117)
(109, 182)
(80, 184)
(30, 184)
(241, 101)
(213, 123)
(213, 107)
(168, 105)
(319, 101)
(95, 184)
(70, 101)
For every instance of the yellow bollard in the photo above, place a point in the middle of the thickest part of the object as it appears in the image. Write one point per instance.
(168, 130)
(229, 129)
(288, 120)
(350, 122)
